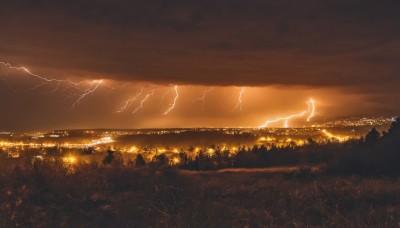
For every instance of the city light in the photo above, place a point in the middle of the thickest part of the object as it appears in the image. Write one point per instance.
(132, 149)
(333, 136)
(176, 161)
(70, 159)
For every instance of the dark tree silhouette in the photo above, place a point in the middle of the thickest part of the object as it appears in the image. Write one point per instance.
(140, 162)
(161, 160)
(109, 157)
(394, 129)
(372, 137)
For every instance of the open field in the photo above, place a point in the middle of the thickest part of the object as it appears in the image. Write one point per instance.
(280, 169)
(48, 195)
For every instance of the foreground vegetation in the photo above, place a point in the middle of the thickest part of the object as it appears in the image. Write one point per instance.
(50, 194)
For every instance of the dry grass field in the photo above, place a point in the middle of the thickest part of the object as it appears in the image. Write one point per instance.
(49, 194)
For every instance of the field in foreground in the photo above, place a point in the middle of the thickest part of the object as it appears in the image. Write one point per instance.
(52, 195)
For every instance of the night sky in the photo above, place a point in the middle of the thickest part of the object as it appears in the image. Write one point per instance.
(275, 54)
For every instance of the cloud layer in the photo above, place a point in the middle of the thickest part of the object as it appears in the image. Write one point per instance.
(350, 44)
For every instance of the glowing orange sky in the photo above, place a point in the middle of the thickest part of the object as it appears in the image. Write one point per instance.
(342, 53)
(47, 108)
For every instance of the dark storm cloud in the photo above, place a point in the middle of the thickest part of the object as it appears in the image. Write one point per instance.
(352, 44)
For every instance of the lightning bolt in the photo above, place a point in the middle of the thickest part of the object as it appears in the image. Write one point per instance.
(26, 90)
(286, 119)
(239, 103)
(26, 70)
(311, 109)
(202, 99)
(56, 88)
(172, 105)
(311, 112)
(45, 80)
(82, 93)
(130, 101)
(143, 101)
(93, 87)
